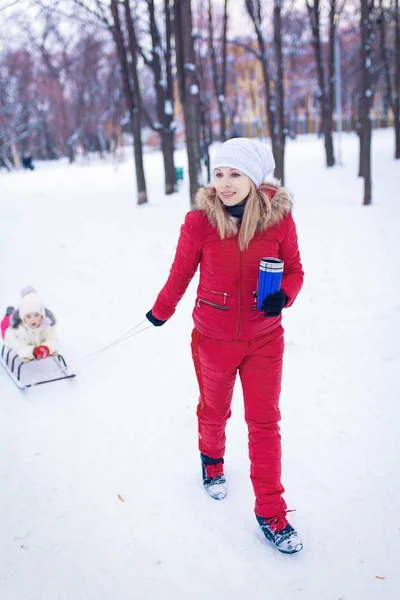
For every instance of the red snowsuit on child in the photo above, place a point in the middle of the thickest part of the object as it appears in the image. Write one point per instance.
(232, 336)
(4, 324)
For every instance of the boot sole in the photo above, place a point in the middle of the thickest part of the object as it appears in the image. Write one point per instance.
(288, 551)
(219, 497)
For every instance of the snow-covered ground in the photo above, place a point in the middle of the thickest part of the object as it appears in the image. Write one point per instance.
(101, 495)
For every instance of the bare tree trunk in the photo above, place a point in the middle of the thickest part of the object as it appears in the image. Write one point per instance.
(205, 131)
(254, 10)
(280, 98)
(137, 114)
(224, 69)
(219, 80)
(331, 61)
(326, 114)
(116, 132)
(129, 99)
(48, 141)
(188, 89)
(396, 102)
(387, 84)
(203, 68)
(365, 125)
(15, 155)
(169, 123)
(54, 72)
(68, 144)
(163, 85)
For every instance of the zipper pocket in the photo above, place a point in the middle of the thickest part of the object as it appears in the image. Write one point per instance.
(219, 306)
(224, 294)
(255, 299)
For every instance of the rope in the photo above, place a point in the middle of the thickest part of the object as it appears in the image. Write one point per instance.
(129, 334)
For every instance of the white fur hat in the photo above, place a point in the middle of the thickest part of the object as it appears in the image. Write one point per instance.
(251, 157)
(31, 302)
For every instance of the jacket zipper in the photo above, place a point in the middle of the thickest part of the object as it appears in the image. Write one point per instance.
(224, 294)
(239, 325)
(219, 306)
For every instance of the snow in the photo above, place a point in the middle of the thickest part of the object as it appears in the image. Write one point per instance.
(190, 67)
(168, 108)
(101, 493)
(194, 89)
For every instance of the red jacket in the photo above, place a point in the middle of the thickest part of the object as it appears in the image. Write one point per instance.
(226, 302)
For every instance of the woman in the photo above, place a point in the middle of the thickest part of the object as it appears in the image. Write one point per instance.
(239, 220)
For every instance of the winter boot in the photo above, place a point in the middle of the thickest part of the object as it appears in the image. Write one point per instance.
(213, 477)
(279, 532)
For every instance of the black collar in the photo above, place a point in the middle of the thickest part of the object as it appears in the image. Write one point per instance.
(236, 211)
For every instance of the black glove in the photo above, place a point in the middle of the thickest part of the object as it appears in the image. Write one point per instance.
(153, 320)
(274, 303)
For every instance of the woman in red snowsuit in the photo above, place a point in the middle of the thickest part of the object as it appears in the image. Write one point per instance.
(239, 220)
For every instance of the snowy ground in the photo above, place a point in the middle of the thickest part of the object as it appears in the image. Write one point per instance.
(126, 426)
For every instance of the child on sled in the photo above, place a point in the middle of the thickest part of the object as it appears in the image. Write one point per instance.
(29, 330)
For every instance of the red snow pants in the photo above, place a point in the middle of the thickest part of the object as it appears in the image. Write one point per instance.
(259, 363)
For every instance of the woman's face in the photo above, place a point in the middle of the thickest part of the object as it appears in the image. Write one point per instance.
(232, 186)
(33, 320)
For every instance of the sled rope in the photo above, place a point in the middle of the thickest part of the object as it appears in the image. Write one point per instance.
(129, 334)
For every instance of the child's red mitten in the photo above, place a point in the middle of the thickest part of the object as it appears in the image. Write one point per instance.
(41, 352)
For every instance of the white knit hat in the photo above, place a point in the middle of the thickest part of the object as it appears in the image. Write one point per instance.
(31, 302)
(251, 157)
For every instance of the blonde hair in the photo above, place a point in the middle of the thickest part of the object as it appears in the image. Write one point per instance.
(257, 208)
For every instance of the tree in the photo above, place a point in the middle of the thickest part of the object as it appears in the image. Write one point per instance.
(127, 56)
(16, 100)
(54, 48)
(161, 65)
(132, 90)
(325, 97)
(391, 84)
(188, 89)
(382, 22)
(396, 101)
(366, 95)
(219, 75)
(294, 26)
(276, 127)
(279, 90)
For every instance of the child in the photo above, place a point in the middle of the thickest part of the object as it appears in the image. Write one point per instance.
(239, 220)
(31, 330)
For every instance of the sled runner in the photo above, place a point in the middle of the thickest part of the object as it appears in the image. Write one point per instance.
(35, 372)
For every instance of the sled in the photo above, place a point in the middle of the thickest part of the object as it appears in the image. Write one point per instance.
(34, 372)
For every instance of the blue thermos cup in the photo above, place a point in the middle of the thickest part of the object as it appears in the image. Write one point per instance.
(269, 278)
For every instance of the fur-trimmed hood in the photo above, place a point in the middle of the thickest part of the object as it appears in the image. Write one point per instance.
(16, 320)
(278, 205)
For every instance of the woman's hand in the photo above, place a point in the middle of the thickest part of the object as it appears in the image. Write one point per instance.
(274, 303)
(156, 322)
